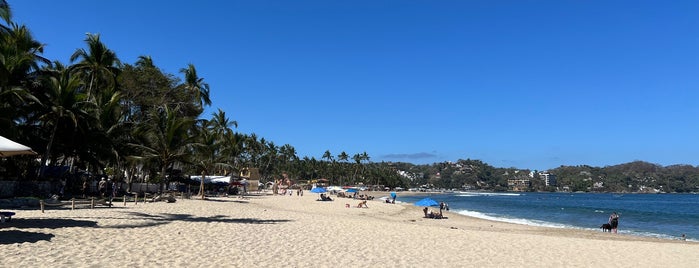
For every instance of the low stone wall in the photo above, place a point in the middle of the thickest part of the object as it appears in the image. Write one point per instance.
(25, 188)
(19, 203)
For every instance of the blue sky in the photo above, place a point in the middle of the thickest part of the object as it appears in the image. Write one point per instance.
(526, 84)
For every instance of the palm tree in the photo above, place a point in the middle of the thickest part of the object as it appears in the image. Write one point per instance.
(327, 156)
(114, 130)
(252, 148)
(358, 162)
(343, 157)
(288, 157)
(20, 62)
(221, 123)
(209, 151)
(5, 12)
(331, 163)
(99, 65)
(364, 157)
(145, 62)
(196, 85)
(165, 138)
(270, 157)
(217, 146)
(65, 105)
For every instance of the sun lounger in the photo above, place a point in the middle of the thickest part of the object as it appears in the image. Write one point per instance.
(6, 216)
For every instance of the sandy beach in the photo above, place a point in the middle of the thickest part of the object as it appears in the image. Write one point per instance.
(292, 231)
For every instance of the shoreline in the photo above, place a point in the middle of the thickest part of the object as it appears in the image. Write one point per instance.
(272, 231)
(526, 222)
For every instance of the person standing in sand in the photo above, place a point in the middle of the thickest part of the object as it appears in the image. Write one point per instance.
(84, 188)
(614, 221)
(102, 186)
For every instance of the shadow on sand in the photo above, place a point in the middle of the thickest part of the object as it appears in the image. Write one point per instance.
(158, 219)
(16, 236)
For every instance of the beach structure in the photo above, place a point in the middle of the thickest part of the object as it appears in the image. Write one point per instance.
(252, 176)
(519, 185)
(10, 148)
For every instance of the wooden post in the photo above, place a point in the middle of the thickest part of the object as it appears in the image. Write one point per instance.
(124, 199)
(41, 204)
(135, 199)
(92, 203)
(72, 203)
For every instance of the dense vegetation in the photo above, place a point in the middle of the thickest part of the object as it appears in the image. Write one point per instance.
(629, 177)
(102, 116)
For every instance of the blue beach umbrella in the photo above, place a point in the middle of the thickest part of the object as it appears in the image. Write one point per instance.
(318, 190)
(426, 202)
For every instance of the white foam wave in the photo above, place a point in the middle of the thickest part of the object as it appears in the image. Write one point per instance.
(481, 215)
(530, 222)
(383, 198)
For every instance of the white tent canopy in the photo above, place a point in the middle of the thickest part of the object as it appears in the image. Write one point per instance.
(213, 179)
(10, 148)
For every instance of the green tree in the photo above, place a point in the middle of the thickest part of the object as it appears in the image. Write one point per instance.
(20, 61)
(196, 86)
(64, 108)
(98, 66)
(165, 138)
(209, 150)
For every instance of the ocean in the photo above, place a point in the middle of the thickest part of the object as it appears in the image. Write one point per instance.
(665, 216)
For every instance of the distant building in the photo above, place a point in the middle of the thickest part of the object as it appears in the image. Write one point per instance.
(598, 185)
(519, 185)
(549, 179)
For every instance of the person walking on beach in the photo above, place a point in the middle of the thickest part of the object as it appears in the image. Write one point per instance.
(109, 190)
(614, 221)
(85, 188)
(102, 187)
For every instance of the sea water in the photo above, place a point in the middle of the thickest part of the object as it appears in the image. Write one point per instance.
(656, 215)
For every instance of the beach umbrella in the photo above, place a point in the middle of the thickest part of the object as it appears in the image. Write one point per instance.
(426, 202)
(318, 190)
(10, 148)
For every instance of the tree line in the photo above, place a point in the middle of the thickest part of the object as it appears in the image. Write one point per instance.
(136, 123)
(132, 121)
(633, 177)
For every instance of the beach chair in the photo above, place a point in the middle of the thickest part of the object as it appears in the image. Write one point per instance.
(6, 216)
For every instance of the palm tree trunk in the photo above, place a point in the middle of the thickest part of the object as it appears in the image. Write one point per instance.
(201, 186)
(48, 150)
(89, 89)
(163, 183)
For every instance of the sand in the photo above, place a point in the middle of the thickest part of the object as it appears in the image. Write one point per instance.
(292, 231)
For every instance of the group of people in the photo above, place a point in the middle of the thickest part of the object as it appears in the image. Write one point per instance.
(436, 215)
(614, 221)
(324, 197)
(432, 214)
(107, 189)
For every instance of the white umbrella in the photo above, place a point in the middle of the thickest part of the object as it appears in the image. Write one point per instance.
(10, 148)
